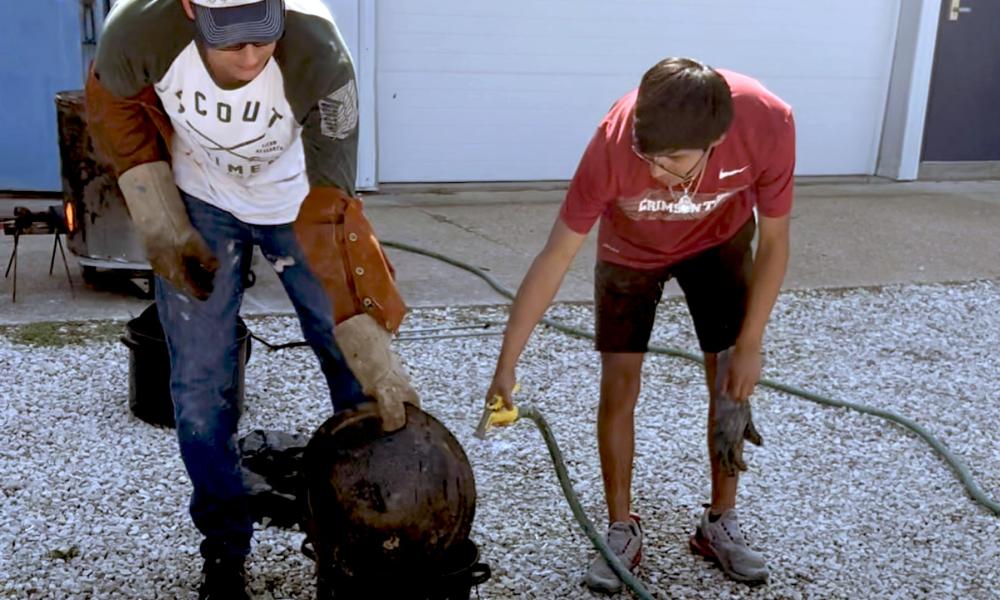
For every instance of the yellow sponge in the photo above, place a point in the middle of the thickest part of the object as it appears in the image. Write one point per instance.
(496, 415)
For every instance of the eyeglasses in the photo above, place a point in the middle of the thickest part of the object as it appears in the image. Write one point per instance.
(240, 46)
(685, 177)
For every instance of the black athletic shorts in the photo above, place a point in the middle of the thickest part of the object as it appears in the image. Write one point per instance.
(715, 284)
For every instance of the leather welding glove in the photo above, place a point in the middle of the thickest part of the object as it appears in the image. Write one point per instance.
(174, 249)
(732, 422)
(365, 345)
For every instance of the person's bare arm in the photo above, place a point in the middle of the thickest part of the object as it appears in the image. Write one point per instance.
(769, 266)
(534, 296)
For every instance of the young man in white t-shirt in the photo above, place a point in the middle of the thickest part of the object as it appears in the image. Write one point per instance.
(234, 123)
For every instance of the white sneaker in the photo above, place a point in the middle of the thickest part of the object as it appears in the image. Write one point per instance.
(722, 542)
(625, 540)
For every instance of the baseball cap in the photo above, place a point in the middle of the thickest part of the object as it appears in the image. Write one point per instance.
(222, 23)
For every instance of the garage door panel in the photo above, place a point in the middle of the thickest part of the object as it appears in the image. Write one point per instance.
(551, 142)
(550, 69)
(834, 125)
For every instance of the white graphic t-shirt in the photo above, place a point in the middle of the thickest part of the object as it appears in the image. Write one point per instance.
(239, 150)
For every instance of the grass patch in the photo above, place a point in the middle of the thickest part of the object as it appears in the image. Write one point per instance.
(55, 334)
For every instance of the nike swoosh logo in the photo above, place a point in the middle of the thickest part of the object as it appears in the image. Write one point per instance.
(723, 173)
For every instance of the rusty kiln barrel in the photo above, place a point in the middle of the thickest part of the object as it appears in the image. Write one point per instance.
(387, 510)
(97, 220)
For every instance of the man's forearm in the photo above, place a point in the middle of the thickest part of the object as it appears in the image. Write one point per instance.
(533, 299)
(770, 264)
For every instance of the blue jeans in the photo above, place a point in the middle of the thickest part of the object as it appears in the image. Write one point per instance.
(203, 346)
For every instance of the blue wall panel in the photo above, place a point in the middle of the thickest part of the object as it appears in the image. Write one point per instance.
(40, 54)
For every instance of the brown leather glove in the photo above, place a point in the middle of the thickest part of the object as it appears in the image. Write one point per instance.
(732, 422)
(342, 250)
(174, 249)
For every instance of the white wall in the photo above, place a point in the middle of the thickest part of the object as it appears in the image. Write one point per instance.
(906, 111)
(513, 90)
(356, 21)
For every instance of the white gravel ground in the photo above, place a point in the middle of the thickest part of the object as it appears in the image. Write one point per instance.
(93, 501)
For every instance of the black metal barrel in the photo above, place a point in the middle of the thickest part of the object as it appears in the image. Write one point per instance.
(389, 514)
(98, 227)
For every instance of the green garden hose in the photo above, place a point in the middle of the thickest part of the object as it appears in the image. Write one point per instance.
(959, 468)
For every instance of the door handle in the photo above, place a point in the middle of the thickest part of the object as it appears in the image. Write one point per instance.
(956, 9)
(89, 24)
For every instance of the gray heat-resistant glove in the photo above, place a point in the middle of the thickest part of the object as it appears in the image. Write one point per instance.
(367, 349)
(174, 249)
(732, 422)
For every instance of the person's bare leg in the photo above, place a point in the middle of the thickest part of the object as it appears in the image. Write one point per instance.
(718, 535)
(620, 383)
(724, 486)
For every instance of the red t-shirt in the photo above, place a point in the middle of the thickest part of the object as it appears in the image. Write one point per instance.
(643, 225)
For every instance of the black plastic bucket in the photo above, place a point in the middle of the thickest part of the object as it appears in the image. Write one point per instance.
(453, 579)
(461, 572)
(149, 367)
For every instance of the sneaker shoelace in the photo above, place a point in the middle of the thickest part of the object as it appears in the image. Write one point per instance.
(619, 537)
(729, 521)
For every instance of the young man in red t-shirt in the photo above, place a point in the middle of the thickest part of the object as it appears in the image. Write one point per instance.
(674, 173)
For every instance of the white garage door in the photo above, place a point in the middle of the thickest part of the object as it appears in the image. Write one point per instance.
(507, 91)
